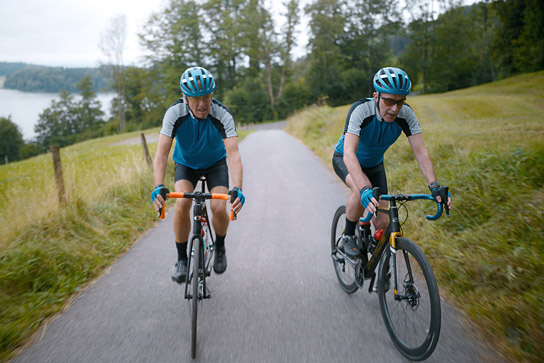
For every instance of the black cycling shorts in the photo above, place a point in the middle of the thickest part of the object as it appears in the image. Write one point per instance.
(376, 174)
(216, 175)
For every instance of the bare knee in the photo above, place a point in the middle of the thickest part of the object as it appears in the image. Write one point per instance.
(183, 207)
(219, 208)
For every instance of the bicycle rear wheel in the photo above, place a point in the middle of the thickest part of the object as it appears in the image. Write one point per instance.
(344, 271)
(413, 317)
(195, 287)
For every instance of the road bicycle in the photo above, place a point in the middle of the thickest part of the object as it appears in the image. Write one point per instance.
(411, 311)
(202, 247)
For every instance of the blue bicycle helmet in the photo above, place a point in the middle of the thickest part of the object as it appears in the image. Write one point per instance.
(392, 80)
(196, 81)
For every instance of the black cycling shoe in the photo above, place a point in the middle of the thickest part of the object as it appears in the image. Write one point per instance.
(181, 271)
(350, 247)
(220, 261)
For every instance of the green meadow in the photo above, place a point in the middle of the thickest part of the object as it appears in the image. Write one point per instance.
(487, 145)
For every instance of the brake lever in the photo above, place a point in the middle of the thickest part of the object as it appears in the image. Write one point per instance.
(376, 194)
(444, 193)
(233, 195)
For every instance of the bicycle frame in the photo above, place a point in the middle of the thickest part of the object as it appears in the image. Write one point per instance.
(206, 249)
(392, 231)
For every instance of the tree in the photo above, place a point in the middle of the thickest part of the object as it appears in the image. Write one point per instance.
(54, 123)
(519, 44)
(327, 23)
(226, 43)
(112, 44)
(261, 46)
(173, 39)
(67, 120)
(366, 42)
(456, 57)
(11, 140)
(88, 111)
(289, 34)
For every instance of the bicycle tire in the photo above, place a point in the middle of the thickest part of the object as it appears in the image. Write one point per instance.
(412, 323)
(345, 278)
(194, 302)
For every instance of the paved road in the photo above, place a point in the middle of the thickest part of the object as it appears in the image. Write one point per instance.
(279, 300)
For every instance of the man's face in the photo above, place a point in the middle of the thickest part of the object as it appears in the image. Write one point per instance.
(389, 105)
(200, 106)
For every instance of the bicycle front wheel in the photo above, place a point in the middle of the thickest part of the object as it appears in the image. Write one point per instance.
(194, 302)
(412, 312)
(344, 272)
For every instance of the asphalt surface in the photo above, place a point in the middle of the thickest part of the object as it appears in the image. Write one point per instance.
(278, 301)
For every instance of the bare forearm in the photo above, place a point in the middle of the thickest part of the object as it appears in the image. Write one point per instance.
(354, 168)
(159, 169)
(236, 172)
(422, 157)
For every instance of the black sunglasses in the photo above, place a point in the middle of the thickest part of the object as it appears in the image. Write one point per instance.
(391, 102)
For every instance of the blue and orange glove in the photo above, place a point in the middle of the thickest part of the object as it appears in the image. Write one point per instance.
(237, 193)
(159, 189)
(366, 196)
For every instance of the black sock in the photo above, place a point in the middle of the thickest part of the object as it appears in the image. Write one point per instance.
(182, 250)
(220, 241)
(350, 227)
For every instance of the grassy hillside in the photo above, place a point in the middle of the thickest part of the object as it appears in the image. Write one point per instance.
(487, 144)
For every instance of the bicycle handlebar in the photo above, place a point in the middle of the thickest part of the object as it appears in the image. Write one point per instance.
(401, 197)
(199, 196)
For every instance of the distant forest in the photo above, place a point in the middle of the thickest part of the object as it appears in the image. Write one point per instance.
(35, 78)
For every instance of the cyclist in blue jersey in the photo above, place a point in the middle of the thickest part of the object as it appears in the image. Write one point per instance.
(206, 138)
(372, 126)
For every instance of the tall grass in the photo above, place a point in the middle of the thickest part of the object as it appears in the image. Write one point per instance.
(487, 144)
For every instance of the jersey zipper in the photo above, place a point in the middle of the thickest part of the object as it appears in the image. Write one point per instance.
(380, 132)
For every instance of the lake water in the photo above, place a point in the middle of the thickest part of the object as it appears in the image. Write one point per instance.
(25, 107)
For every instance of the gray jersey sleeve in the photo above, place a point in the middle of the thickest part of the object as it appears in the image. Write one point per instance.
(174, 112)
(221, 113)
(361, 112)
(409, 115)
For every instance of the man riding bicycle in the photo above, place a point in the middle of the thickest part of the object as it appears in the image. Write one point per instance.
(206, 137)
(372, 126)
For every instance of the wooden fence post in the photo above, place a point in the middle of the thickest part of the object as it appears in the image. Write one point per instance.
(146, 151)
(58, 173)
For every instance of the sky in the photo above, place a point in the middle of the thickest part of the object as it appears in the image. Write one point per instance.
(66, 33)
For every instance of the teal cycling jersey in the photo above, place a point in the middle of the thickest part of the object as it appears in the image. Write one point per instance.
(375, 135)
(199, 143)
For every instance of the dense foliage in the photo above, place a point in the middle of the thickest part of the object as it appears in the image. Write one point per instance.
(443, 46)
(32, 78)
(69, 120)
(11, 140)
